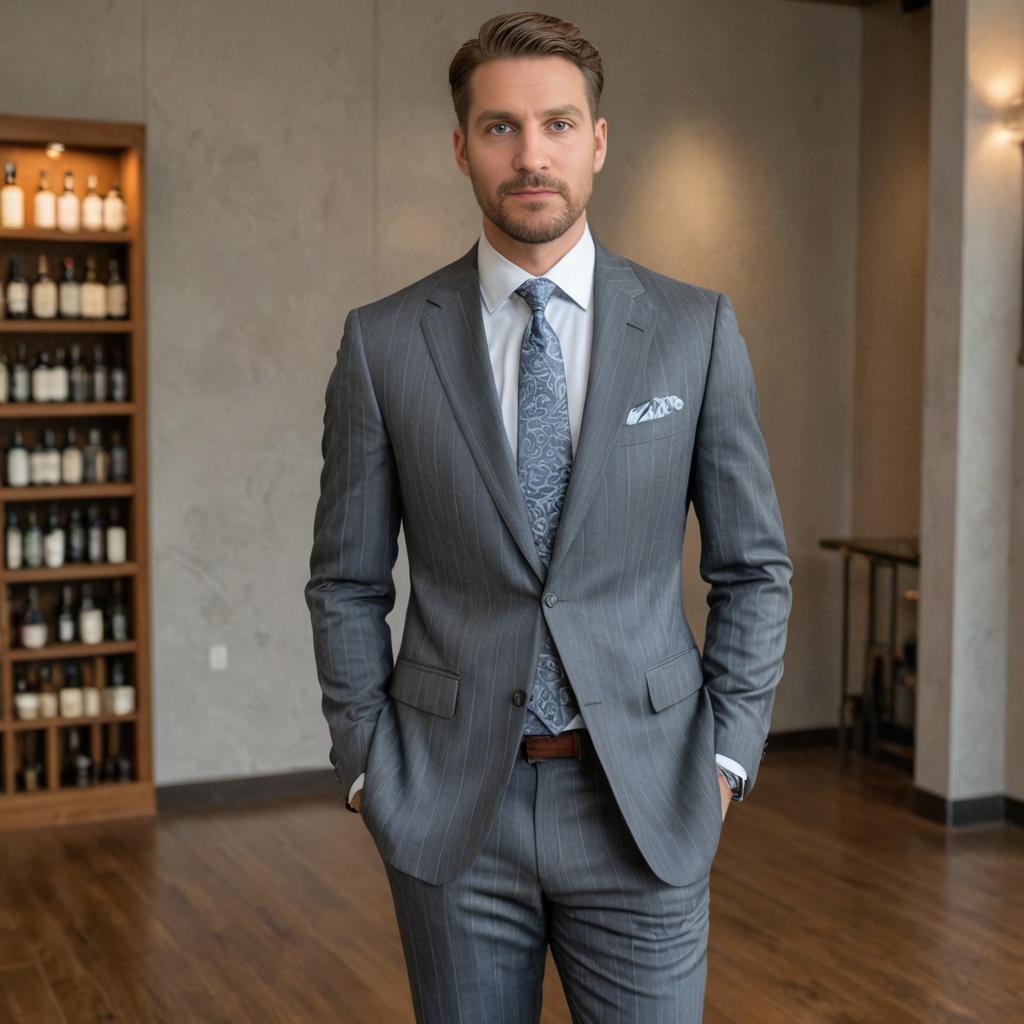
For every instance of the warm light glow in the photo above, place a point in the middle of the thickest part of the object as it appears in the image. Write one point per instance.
(1014, 120)
(54, 150)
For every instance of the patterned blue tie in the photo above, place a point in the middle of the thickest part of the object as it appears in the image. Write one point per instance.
(545, 462)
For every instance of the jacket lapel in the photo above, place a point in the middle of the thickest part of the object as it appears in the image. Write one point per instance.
(453, 328)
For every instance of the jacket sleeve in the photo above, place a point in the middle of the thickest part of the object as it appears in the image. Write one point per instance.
(743, 551)
(355, 544)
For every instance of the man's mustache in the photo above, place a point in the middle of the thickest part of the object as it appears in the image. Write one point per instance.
(523, 186)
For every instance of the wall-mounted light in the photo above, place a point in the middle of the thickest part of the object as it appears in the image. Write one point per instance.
(1013, 122)
(54, 150)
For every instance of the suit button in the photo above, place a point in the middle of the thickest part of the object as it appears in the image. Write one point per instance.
(519, 698)
(550, 600)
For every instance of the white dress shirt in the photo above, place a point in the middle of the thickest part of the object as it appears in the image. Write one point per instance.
(570, 312)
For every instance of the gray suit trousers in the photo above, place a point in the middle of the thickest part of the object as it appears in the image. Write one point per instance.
(558, 866)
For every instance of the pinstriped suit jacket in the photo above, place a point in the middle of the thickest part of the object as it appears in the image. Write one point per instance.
(413, 434)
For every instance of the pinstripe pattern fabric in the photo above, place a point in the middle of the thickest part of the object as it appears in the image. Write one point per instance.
(558, 865)
(413, 433)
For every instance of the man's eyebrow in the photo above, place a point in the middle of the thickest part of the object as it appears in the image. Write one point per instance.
(505, 115)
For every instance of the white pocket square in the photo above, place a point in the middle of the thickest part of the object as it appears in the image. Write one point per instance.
(653, 409)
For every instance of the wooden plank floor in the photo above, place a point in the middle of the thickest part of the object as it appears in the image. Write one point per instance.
(830, 902)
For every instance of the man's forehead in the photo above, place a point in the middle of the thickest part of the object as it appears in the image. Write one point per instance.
(527, 82)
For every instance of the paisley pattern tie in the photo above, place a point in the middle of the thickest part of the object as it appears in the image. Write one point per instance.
(545, 462)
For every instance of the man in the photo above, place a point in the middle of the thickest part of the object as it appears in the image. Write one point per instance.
(550, 758)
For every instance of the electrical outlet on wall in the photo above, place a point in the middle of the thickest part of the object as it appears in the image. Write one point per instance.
(218, 657)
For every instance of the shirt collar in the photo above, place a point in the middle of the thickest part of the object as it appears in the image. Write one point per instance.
(573, 273)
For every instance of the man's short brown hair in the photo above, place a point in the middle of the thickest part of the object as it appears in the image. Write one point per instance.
(524, 34)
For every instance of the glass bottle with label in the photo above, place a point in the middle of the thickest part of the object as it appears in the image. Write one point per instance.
(79, 374)
(51, 458)
(117, 538)
(31, 775)
(77, 770)
(60, 378)
(45, 208)
(44, 292)
(33, 631)
(17, 292)
(41, 377)
(69, 209)
(117, 292)
(90, 618)
(49, 698)
(53, 540)
(90, 698)
(100, 376)
(118, 378)
(71, 459)
(21, 378)
(71, 702)
(33, 540)
(13, 553)
(97, 459)
(67, 630)
(92, 206)
(96, 535)
(118, 458)
(119, 695)
(94, 293)
(119, 622)
(69, 292)
(12, 199)
(76, 537)
(17, 462)
(26, 698)
(115, 210)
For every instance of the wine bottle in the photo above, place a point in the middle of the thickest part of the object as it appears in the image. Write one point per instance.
(96, 534)
(97, 459)
(60, 379)
(53, 540)
(119, 624)
(31, 773)
(41, 377)
(76, 537)
(114, 210)
(5, 379)
(71, 459)
(100, 377)
(90, 618)
(12, 200)
(33, 540)
(118, 378)
(92, 206)
(13, 540)
(21, 378)
(26, 698)
(69, 292)
(118, 458)
(44, 291)
(17, 462)
(117, 538)
(69, 209)
(77, 769)
(117, 291)
(17, 293)
(66, 620)
(79, 375)
(94, 293)
(45, 209)
(34, 630)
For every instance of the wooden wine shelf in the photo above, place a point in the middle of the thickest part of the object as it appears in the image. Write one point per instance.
(32, 234)
(69, 492)
(56, 652)
(48, 410)
(58, 326)
(68, 572)
(115, 152)
(28, 724)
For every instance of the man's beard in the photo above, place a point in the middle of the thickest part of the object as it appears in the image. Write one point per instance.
(531, 229)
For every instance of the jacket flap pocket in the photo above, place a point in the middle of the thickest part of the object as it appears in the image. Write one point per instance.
(427, 687)
(675, 677)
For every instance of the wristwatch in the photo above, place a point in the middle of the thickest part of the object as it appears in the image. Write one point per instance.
(736, 784)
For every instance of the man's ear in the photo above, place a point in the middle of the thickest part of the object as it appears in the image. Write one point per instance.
(459, 143)
(600, 143)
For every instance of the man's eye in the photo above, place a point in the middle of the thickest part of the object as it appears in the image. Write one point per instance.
(566, 123)
(501, 125)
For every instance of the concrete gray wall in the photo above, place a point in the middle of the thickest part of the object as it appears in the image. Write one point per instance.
(300, 163)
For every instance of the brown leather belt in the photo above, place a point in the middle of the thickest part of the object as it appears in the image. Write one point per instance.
(569, 743)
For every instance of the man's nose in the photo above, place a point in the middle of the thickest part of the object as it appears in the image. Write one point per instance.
(532, 153)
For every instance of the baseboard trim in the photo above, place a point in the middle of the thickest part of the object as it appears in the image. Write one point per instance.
(981, 810)
(226, 792)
